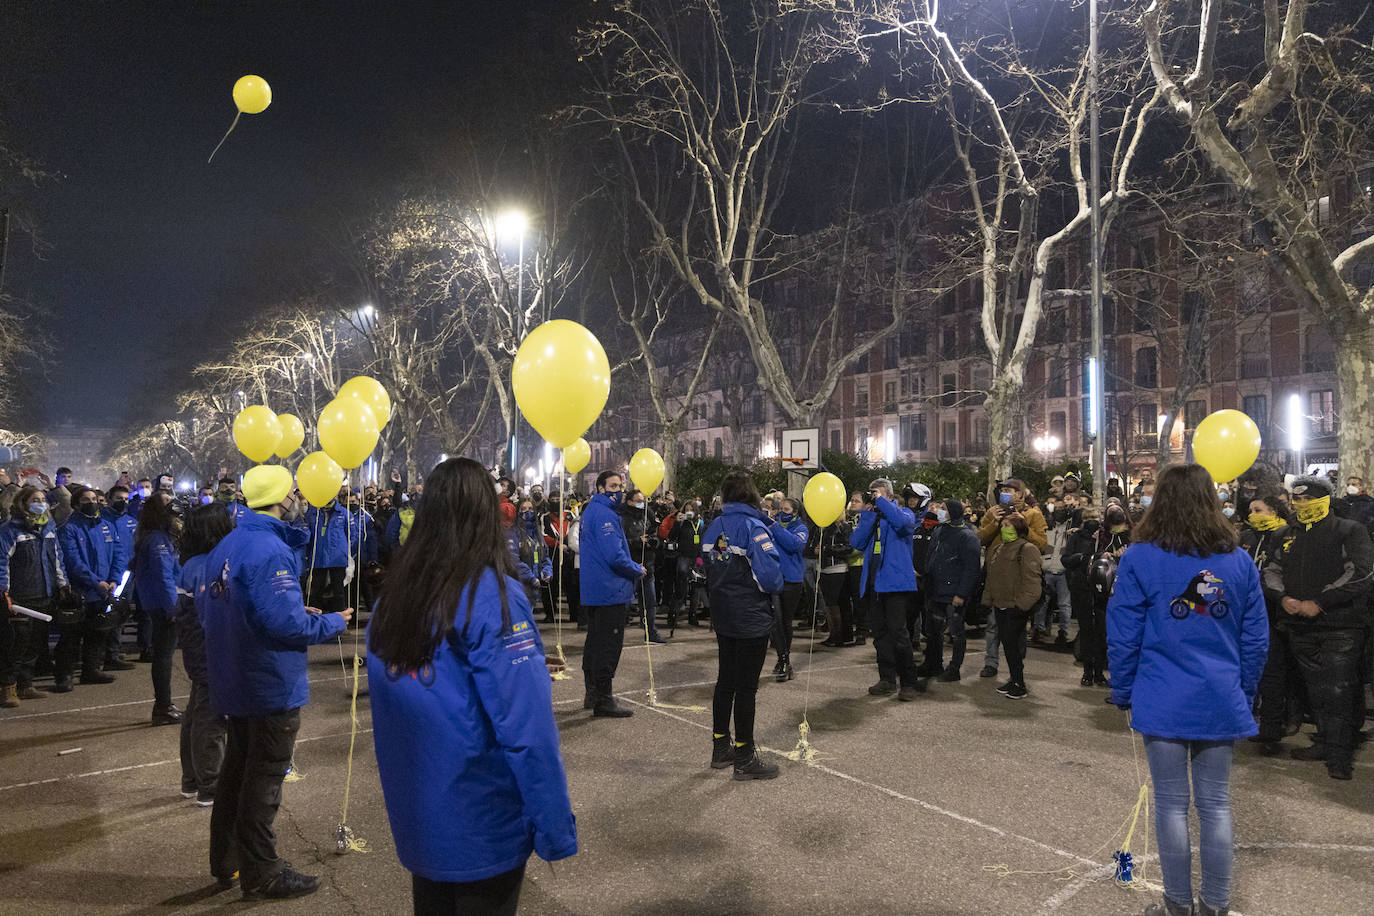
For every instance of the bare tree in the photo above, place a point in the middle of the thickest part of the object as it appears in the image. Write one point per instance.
(1285, 122)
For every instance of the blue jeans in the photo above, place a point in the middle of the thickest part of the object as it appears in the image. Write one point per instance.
(1058, 586)
(1211, 794)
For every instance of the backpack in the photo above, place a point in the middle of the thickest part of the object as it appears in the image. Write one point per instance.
(1102, 574)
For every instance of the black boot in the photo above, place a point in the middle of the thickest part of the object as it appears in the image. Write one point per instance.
(722, 752)
(606, 706)
(589, 699)
(284, 884)
(749, 766)
(777, 670)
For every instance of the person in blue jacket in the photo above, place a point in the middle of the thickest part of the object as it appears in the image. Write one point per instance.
(202, 730)
(462, 712)
(743, 574)
(95, 557)
(228, 496)
(953, 565)
(884, 533)
(328, 553)
(156, 567)
(257, 629)
(608, 576)
(790, 534)
(31, 575)
(116, 511)
(1187, 639)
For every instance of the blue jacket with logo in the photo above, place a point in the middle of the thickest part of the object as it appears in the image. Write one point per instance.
(256, 625)
(608, 574)
(156, 568)
(126, 524)
(333, 537)
(884, 534)
(790, 539)
(743, 571)
(30, 561)
(467, 749)
(1187, 639)
(93, 552)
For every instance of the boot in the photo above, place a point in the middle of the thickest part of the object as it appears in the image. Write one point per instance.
(749, 766)
(606, 705)
(1204, 910)
(783, 672)
(27, 692)
(884, 688)
(1167, 907)
(722, 752)
(9, 696)
(777, 669)
(1087, 679)
(589, 699)
(950, 675)
(96, 677)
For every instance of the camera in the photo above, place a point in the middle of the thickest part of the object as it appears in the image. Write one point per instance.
(870, 497)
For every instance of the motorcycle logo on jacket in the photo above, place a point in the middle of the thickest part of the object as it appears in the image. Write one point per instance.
(1204, 596)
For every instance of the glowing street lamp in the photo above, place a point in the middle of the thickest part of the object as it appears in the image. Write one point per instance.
(1046, 446)
(1295, 427)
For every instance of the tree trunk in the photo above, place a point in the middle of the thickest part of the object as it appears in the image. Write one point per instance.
(667, 448)
(1355, 379)
(1164, 447)
(1003, 408)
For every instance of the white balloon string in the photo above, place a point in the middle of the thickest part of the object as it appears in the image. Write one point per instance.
(225, 137)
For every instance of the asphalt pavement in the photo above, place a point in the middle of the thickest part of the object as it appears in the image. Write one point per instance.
(961, 802)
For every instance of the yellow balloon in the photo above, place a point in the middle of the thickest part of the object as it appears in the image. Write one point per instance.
(561, 380)
(348, 431)
(1226, 443)
(370, 392)
(646, 470)
(256, 433)
(292, 434)
(576, 456)
(824, 498)
(319, 478)
(252, 95)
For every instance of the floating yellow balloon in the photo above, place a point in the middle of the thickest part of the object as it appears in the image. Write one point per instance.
(1226, 443)
(370, 392)
(348, 431)
(561, 380)
(576, 456)
(252, 95)
(319, 478)
(292, 434)
(257, 433)
(646, 470)
(824, 498)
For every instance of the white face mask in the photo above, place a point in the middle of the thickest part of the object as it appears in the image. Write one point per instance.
(941, 515)
(1352, 490)
(1146, 499)
(1228, 511)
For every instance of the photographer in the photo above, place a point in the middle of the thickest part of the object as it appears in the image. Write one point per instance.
(884, 534)
(1011, 499)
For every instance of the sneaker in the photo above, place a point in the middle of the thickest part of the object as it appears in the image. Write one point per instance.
(1062, 639)
(1003, 688)
(284, 884)
(988, 671)
(883, 688)
(1100, 681)
(97, 677)
(61, 685)
(1038, 636)
(1014, 692)
(205, 799)
(907, 694)
(754, 768)
(114, 663)
(722, 753)
(188, 792)
(658, 640)
(949, 676)
(1340, 771)
(1314, 752)
(169, 716)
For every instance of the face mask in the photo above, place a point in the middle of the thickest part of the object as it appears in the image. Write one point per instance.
(224, 496)
(38, 508)
(1264, 522)
(90, 510)
(1008, 535)
(616, 498)
(145, 492)
(1223, 495)
(1004, 498)
(527, 515)
(1146, 500)
(941, 515)
(1312, 511)
(786, 517)
(118, 506)
(689, 515)
(1352, 491)
(1228, 511)
(206, 500)
(1049, 507)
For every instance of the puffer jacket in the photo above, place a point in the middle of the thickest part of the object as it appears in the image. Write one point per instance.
(1013, 575)
(1330, 562)
(92, 552)
(790, 538)
(743, 572)
(884, 535)
(31, 566)
(608, 574)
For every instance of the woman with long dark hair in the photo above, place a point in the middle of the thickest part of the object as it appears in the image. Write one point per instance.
(462, 712)
(1188, 636)
(156, 569)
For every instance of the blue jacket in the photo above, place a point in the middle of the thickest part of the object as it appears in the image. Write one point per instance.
(256, 625)
(126, 524)
(743, 571)
(608, 574)
(790, 540)
(953, 563)
(155, 573)
(884, 534)
(467, 748)
(1187, 639)
(394, 528)
(238, 511)
(30, 561)
(190, 634)
(92, 552)
(332, 539)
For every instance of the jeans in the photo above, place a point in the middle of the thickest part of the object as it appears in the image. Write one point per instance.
(202, 742)
(1057, 586)
(939, 617)
(891, 640)
(1330, 662)
(164, 649)
(992, 643)
(495, 896)
(1011, 633)
(737, 683)
(605, 639)
(785, 611)
(248, 795)
(1211, 795)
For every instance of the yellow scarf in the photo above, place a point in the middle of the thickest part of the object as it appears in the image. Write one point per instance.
(1265, 522)
(1312, 511)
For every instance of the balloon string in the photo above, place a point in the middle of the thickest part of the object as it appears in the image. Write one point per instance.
(560, 530)
(225, 137)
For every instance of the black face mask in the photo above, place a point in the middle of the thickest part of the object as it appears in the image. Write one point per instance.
(90, 510)
(1091, 525)
(119, 506)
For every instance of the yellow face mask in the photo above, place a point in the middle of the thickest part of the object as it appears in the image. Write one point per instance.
(1312, 511)
(1265, 522)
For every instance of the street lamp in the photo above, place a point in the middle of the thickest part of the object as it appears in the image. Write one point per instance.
(1046, 446)
(1295, 427)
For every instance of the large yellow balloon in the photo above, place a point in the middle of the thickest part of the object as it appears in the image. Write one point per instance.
(824, 498)
(292, 434)
(319, 478)
(370, 392)
(348, 431)
(576, 456)
(646, 470)
(561, 380)
(1226, 443)
(252, 95)
(256, 433)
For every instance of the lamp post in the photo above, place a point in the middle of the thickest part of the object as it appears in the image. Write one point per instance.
(1097, 369)
(1295, 428)
(515, 221)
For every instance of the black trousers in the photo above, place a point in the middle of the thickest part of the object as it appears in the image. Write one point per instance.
(737, 684)
(784, 613)
(933, 625)
(327, 591)
(80, 642)
(891, 639)
(857, 606)
(256, 759)
(1011, 631)
(202, 742)
(605, 639)
(1330, 662)
(1276, 687)
(1092, 636)
(29, 638)
(572, 589)
(164, 650)
(495, 896)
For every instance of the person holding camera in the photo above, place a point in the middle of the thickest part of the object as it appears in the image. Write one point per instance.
(884, 533)
(1011, 499)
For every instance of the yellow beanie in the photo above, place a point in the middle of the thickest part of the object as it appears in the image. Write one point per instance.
(266, 485)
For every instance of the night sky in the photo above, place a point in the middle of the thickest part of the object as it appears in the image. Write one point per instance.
(148, 248)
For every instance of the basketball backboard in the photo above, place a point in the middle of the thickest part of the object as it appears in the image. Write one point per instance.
(801, 448)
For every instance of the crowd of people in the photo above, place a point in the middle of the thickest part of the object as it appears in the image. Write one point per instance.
(245, 578)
